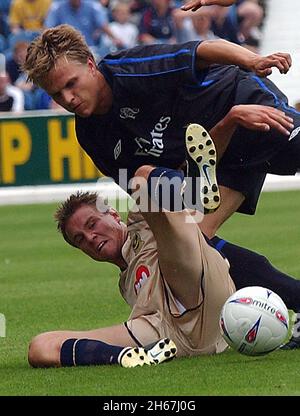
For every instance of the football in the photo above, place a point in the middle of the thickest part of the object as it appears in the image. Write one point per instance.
(254, 321)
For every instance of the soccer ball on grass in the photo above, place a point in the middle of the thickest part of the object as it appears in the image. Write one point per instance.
(254, 321)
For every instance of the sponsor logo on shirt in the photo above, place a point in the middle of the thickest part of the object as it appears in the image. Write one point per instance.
(154, 146)
(141, 275)
(127, 112)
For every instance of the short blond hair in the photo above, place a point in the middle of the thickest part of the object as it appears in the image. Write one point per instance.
(49, 46)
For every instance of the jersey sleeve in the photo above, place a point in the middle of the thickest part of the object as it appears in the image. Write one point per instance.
(154, 68)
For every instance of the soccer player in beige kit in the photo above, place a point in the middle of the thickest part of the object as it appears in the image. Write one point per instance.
(175, 282)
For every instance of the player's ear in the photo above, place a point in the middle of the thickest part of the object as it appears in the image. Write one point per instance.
(92, 65)
(114, 214)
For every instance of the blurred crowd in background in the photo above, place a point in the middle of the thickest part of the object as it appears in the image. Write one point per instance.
(111, 25)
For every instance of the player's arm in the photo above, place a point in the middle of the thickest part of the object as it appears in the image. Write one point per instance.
(196, 4)
(252, 117)
(221, 51)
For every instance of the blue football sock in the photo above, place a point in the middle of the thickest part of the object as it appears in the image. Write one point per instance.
(164, 188)
(88, 352)
(248, 268)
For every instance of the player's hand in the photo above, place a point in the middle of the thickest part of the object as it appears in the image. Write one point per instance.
(262, 65)
(263, 118)
(196, 4)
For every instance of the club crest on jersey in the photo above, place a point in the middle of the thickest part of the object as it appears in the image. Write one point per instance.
(137, 243)
(141, 275)
(127, 112)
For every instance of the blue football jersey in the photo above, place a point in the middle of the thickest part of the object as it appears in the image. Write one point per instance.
(157, 91)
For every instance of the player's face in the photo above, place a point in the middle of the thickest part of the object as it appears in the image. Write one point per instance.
(99, 235)
(79, 88)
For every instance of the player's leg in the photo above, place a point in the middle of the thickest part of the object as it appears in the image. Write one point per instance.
(111, 345)
(272, 151)
(250, 155)
(288, 162)
(173, 243)
(176, 234)
(195, 276)
(248, 268)
(45, 349)
(231, 200)
(201, 165)
(238, 190)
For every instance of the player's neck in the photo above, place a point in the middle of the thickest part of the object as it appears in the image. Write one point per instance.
(105, 97)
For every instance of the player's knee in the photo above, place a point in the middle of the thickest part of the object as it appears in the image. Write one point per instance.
(42, 351)
(139, 182)
(143, 171)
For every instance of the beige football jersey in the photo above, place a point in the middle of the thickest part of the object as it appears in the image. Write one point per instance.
(156, 313)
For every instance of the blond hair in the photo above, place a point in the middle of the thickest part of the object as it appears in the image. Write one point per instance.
(49, 46)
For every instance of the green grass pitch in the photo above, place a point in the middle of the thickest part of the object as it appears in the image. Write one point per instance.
(47, 285)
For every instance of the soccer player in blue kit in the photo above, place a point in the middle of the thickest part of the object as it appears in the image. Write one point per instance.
(133, 109)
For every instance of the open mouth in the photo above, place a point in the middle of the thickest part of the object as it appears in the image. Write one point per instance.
(100, 246)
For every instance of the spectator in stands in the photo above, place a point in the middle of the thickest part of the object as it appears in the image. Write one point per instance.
(17, 77)
(4, 7)
(89, 17)
(121, 27)
(201, 25)
(28, 15)
(11, 97)
(28, 89)
(238, 22)
(43, 101)
(14, 63)
(250, 14)
(193, 25)
(105, 3)
(4, 29)
(138, 6)
(157, 24)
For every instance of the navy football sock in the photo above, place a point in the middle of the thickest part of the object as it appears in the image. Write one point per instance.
(248, 268)
(88, 352)
(164, 188)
